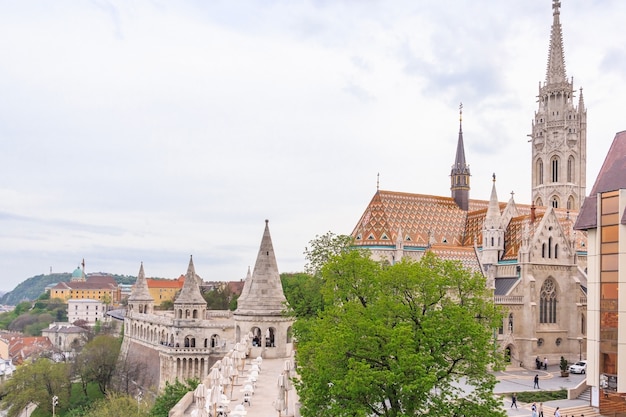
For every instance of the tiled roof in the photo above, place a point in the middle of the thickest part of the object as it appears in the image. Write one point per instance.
(166, 283)
(465, 254)
(504, 285)
(427, 220)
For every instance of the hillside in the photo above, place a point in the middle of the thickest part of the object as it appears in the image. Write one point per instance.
(33, 287)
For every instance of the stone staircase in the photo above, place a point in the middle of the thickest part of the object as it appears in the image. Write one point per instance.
(585, 395)
(572, 411)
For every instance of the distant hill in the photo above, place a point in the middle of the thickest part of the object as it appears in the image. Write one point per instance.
(33, 287)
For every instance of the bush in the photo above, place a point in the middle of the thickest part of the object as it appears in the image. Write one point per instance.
(540, 396)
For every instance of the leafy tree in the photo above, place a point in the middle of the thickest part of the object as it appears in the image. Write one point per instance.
(171, 396)
(166, 305)
(114, 405)
(96, 362)
(304, 293)
(395, 340)
(323, 248)
(218, 298)
(37, 382)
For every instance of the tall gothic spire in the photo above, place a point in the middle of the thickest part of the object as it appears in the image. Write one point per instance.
(140, 290)
(556, 58)
(460, 173)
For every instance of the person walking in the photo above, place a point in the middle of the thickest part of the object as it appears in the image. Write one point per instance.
(534, 409)
(557, 413)
(536, 381)
(545, 363)
(540, 409)
(514, 400)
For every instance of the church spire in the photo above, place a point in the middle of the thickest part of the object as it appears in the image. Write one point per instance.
(555, 72)
(460, 173)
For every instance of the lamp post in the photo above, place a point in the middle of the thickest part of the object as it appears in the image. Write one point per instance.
(55, 402)
(580, 348)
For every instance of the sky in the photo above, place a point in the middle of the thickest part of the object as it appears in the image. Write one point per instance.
(149, 131)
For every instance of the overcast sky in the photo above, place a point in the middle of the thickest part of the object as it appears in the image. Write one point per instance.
(154, 130)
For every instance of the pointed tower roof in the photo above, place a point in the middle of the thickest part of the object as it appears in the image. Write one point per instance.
(493, 217)
(262, 293)
(140, 290)
(555, 72)
(460, 166)
(190, 294)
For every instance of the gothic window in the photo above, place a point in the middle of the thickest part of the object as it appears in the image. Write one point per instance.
(547, 302)
(543, 250)
(582, 324)
(570, 169)
(555, 169)
(550, 247)
(540, 172)
(539, 203)
(510, 322)
(555, 202)
(556, 251)
(570, 203)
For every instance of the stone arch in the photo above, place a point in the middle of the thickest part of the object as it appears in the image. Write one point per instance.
(554, 201)
(289, 334)
(570, 202)
(570, 169)
(555, 162)
(539, 202)
(270, 337)
(215, 340)
(256, 336)
(190, 341)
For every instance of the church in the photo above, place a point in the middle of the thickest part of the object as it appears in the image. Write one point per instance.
(533, 259)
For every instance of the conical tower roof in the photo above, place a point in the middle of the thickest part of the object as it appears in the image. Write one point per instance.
(190, 294)
(262, 292)
(140, 290)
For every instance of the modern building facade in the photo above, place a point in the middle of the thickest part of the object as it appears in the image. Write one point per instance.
(603, 217)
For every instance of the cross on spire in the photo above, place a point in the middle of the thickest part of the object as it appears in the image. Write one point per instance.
(556, 4)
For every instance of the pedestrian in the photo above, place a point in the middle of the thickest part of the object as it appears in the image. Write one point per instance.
(557, 413)
(545, 363)
(540, 409)
(536, 381)
(534, 409)
(514, 400)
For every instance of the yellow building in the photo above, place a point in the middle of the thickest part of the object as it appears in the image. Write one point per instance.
(98, 287)
(164, 289)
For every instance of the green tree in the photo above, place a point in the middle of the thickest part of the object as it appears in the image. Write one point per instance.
(218, 298)
(395, 340)
(37, 382)
(304, 293)
(96, 361)
(171, 396)
(115, 405)
(323, 248)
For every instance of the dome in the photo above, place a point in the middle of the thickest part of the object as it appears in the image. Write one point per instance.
(78, 273)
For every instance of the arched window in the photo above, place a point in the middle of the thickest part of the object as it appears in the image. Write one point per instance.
(555, 202)
(543, 250)
(555, 169)
(550, 247)
(539, 202)
(539, 172)
(570, 203)
(582, 324)
(547, 302)
(510, 322)
(556, 251)
(570, 169)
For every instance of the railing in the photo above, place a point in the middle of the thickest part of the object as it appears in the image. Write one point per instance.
(508, 299)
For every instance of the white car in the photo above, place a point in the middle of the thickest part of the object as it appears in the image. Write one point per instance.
(579, 367)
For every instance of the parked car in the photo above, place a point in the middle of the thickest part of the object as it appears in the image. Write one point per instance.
(579, 367)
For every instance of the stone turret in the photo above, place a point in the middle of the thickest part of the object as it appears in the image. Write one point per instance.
(140, 300)
(190, 304)
(261, 306)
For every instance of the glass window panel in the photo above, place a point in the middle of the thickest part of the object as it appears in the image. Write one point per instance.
(610, 233)
(609, 262)
(609, 276)
(610, 204)
(612, 218)
(608, 248)
(609, 291)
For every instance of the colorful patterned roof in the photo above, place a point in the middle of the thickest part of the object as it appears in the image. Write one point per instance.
(437, 222)
(465, 254)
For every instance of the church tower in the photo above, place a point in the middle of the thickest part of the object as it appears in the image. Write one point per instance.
(460, 173)
(559, 133)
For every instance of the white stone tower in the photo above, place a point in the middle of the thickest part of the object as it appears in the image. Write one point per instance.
(559, 133)
(261, 307)
(493, 230)
(189, 305)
